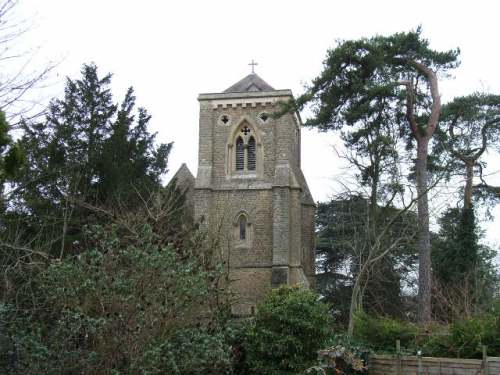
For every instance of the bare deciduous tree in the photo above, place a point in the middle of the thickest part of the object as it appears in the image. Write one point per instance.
(19, 79)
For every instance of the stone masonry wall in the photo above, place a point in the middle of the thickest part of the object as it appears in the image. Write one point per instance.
(279, 231)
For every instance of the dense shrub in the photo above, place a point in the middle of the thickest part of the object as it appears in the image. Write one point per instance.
(381, 333)
(116, 305)
(290, 326)
(190, 352)
(466, 338)
(460, 339)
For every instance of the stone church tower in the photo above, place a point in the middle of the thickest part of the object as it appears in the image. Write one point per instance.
(250, 188)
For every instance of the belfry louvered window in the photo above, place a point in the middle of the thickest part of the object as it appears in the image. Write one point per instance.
(240, 154)
(251, 154)
(244, 157)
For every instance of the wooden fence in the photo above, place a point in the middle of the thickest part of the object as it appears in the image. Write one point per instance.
(413, 365)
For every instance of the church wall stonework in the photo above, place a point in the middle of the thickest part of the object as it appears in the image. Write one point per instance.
(308, 242)
(226, 205)
(253, 284)
(270, 202)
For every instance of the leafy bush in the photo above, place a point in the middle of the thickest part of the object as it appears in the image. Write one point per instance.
(381, 333)
(460, 339)
(19, 341)
(104, 309)
(466, 338)
(190, 352)
(290, 326)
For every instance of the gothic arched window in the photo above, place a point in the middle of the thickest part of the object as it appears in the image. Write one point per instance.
(251, 154)
(245, 152)
(240, 154)
(242, 230)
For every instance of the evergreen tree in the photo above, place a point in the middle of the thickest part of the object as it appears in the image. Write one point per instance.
(466, 279)
(143, 163)
(456, 246)
(470, 127)
(11, 155)
(84, 159)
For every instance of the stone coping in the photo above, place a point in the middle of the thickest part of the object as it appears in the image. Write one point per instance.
(241, 95)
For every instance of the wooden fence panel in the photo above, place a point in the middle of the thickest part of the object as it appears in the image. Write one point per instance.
(409, 365)
(493, 365)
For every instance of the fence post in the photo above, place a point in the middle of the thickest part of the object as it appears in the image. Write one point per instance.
(485, 360)
(398, 357)
(419, 360)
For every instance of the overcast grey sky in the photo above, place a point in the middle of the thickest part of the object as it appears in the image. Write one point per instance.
(171, 51)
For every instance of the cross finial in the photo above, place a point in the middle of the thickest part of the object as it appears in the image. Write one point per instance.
(253, 63)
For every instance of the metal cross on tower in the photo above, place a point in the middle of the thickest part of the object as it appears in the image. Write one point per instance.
(253, 63)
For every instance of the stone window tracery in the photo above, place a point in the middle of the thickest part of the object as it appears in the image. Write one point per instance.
(244, 156)
(224, 120)
(245, 151)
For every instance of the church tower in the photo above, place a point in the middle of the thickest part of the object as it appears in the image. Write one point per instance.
(251, 190)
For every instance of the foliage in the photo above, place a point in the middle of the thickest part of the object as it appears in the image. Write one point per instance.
(189, 352)
(466, 279)
(462, 338)
(466, 338)
(456, 249)
(367, 82)
(381, 333)
(88, 153)
(342, 243)
(472, 123)
(11, 155)
(290, 326)
(469, 128)
(356, 73)
(105, 309)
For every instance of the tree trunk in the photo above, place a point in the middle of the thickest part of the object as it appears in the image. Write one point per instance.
(356, 304)
(424, 243)
(423, 135)
(469, 168)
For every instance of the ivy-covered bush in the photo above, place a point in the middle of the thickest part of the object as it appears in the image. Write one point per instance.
(289, 328)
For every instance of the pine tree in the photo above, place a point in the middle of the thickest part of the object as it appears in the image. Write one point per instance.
(402, 69)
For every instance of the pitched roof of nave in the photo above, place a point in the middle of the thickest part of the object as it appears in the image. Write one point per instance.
(183, 177)
(251, 82)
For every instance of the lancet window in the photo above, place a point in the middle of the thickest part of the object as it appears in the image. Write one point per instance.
(242, 224)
